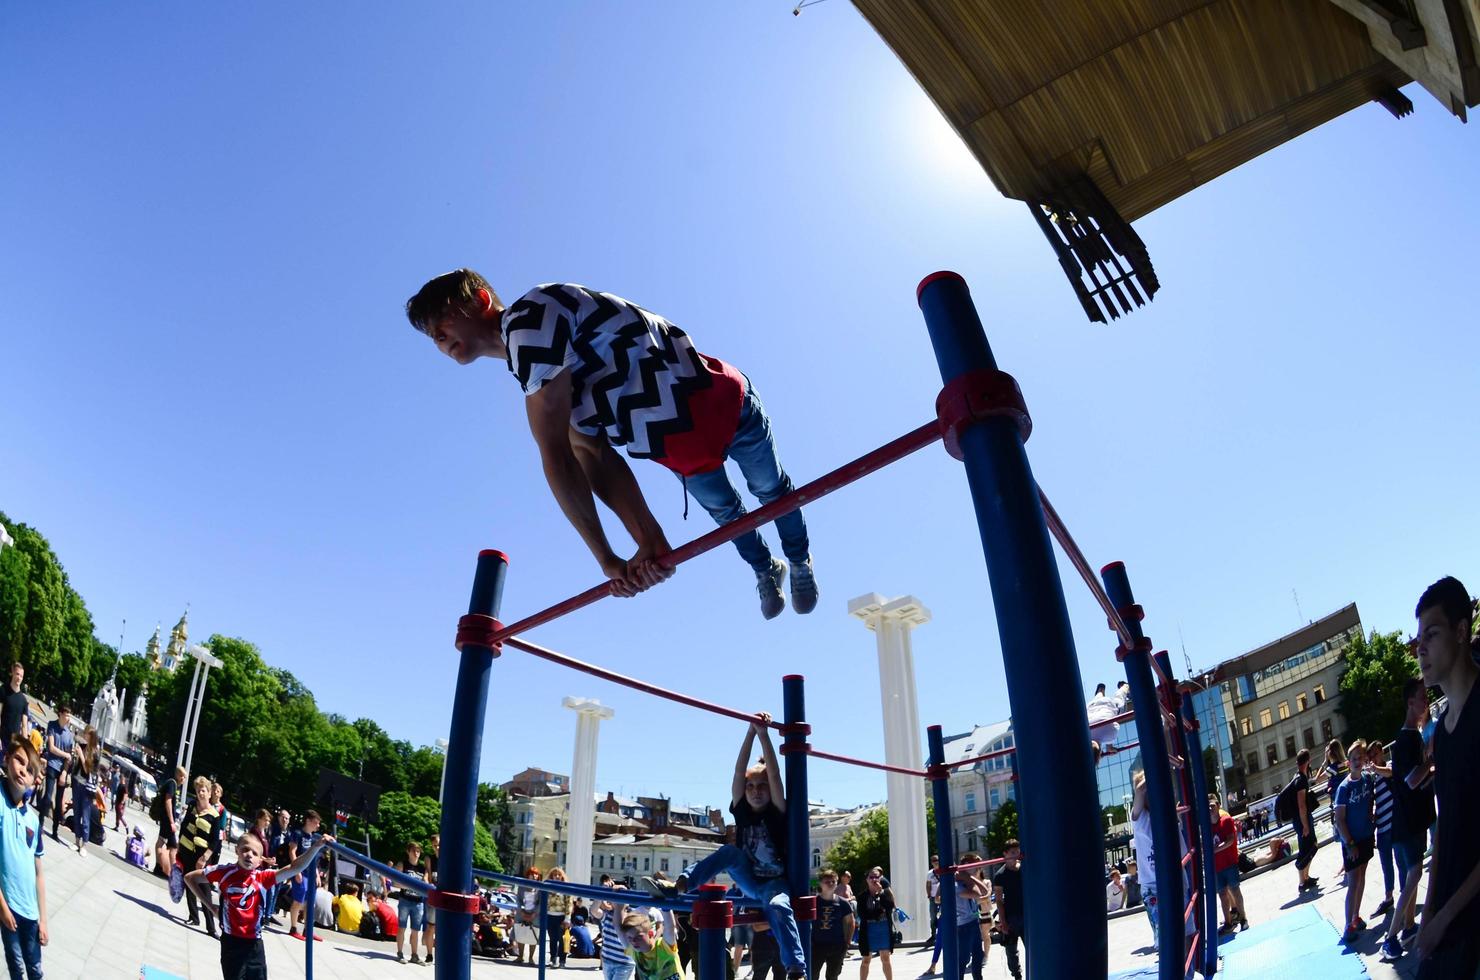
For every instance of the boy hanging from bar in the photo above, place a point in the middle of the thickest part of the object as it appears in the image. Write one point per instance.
(599, 372)
(756, 862)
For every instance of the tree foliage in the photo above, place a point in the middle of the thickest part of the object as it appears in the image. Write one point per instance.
(1004, 828)
(1377, 666)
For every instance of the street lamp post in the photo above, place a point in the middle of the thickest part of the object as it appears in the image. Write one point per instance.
(204, 661)
(442, 786)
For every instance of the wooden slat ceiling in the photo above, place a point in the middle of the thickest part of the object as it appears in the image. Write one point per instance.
(1150, 98)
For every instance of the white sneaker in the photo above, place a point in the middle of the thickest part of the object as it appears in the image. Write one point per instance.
(768, 586)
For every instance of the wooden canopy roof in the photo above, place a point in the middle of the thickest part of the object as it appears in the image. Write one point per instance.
(1147, 98)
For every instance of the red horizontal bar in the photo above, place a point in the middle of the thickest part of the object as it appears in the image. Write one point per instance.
(1191, 907)
(1191, 953)
(842, 476)
(637, 685)
(1187, 858)
(864, 763)
(978, 864)
(1076, 558)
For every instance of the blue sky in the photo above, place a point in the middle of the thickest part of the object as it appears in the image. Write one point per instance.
(212, 218)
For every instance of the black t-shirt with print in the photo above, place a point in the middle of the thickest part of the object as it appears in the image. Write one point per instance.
(1457, 845)
(761, 834)
(827, 930)
(17, 707)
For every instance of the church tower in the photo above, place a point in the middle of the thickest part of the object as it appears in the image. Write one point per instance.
(175, 652)
(151, 652)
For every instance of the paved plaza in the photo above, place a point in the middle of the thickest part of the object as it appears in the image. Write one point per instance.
(110, 920)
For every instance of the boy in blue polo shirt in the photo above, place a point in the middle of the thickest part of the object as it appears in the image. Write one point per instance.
(22, 886)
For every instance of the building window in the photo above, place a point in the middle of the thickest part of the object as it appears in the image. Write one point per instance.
(1265, 719)
(1272, 753)
(1289, 746)
(647, 864)
(1320, 690)
(1309, 737)
(1301, 701)
(1326, 735)
(1253, 761)
(1246, 725)
(1284, 710)
(663, 864)
(816, 859)
(995, 796)
(970, 801)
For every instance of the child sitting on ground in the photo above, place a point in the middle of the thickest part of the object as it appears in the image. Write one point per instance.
(22, 885)
(757, 861)
(244, 887)
(654, 957)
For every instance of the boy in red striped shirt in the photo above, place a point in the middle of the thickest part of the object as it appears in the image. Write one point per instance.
(245, 887)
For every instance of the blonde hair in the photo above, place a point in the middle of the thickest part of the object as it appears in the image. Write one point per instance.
(637, 920)
(201, 783)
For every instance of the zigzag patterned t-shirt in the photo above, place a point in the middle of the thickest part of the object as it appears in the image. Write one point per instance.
(635, 378)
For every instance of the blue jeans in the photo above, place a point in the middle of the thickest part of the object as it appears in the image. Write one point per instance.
(22, 949)
(82, 804)
(770, 892)
(1385, 858)
(969, 945)
(616, 971)
(1148, 899)
(754, 450)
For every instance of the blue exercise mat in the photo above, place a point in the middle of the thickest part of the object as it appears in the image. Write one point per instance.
(155, 973)
(1299, 945)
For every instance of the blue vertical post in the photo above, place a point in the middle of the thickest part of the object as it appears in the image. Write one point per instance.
(460, 788)
(712, 916)
(1161, 797)
(544, 929)
(1203, 820)
(1060, 825)
(311, 878)
(945, 847)
(798, 822)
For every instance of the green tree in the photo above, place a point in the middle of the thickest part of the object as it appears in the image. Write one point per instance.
(866, 845)
(385, 766)
(404, 818)
(1004, 828)
(1377, 666)
(495, 813)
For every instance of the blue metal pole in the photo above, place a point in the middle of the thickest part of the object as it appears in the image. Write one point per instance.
(1161, 797)
(945, 847)
(798, 823)
(544, 930)
(311, 878)
(1060, 825)
(460, 793)
(1203, 818)
(712, 916)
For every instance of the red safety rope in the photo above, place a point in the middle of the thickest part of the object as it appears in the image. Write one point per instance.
(842, 476)
(610, 675)
(848, 760)
(1191, 954)
(1081, 564)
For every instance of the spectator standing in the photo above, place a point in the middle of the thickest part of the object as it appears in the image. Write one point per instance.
(167, 809)
(22, 883)
(433, 855)
(278, 839)
(298, 841)
(876, 924)
(845, 886)
(15, 709)
(1331, 772)
(832, 929)
(970, 890)
(1145, 856)
(1448, 942)
(59, 745)
(199, 839)
(1132, 884)
(118, 787)
(1225, 867)
(1413, 815)
(1382, 818)
(84, 786)
(410, 905)
(557, 911)
(1353, 818)
(1305, 825)
(1008, 887)
(765, 955)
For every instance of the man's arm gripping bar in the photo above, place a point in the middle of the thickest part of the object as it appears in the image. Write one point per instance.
(453, 902)
(978, 395)
(480, 631)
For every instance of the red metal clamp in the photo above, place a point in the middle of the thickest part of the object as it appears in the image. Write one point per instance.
(804, 907)
(712, 910)
(1132, 613)
(479, 630)
(978, 395)
(454, 902)
(795, 748)
(934, 772)
(794, 728)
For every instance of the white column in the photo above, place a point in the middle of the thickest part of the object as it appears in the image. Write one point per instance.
(580, 823)
(892, 621)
